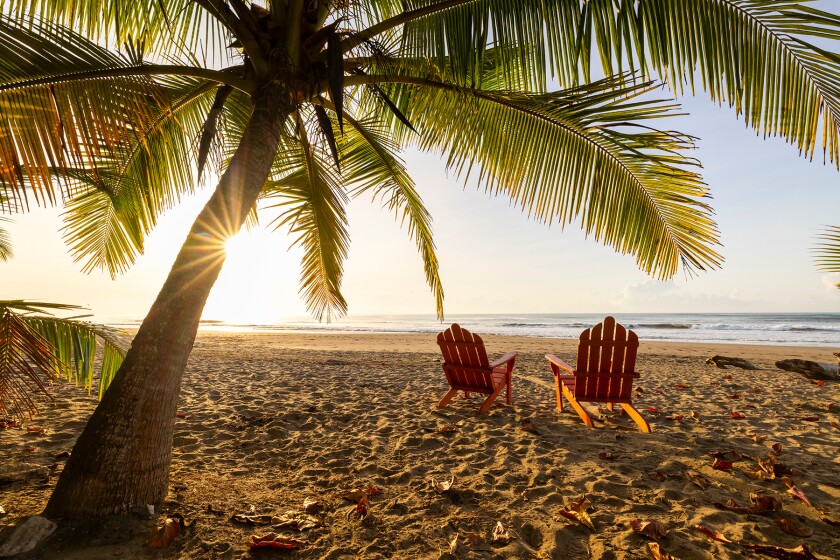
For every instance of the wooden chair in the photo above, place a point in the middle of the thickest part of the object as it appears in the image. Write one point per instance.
(467, 369)
(606, 358)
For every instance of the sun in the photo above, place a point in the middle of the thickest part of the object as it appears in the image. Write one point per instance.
(258, 283)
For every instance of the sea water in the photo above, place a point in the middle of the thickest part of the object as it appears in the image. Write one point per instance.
(804, 329)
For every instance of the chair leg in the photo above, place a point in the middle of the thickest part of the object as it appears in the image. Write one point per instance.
(557, 390)
(509, 394)
(447, 397)
(578, 408)
(637, 418)
(611, 407)
(486, 405)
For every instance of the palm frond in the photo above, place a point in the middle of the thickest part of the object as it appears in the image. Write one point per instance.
(370, 167)
(761, 56)
(580, 153)
(36, 347)
(6, 252)
(311, 202)
(828, 250)
(163, 28)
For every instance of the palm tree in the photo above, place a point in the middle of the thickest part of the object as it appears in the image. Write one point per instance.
(305, 103)
(37, 347)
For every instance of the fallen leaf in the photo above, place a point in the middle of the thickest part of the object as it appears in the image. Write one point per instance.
(756, 390)
(697, 479)
(606, 455)
(695, 415)
(252, 519)
(500, 534)
(658, 392)
(652, 409)
(756, 438)
(577, 511)
(777, 448)
(296, 520)
(447, 429)
(795, 491)
(833, 522)
(791, 528)
(736, 415)
(273, 540)
(657, 554)
(180, 415)
(728, 376)
(163, 534)
(801, 552)
(527, 426)
(657, 476)
(764, 504)
(354, 495)
(735, 396)
(721, 465)
(732, 505)
(730, 455)
(652, 529)
(441, 487)
(714, 535)
(676, 418)
(34, 430)
(373, 491)
(311, 505)
(682, 386)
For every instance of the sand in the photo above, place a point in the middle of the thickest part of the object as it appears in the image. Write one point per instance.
(270, 420)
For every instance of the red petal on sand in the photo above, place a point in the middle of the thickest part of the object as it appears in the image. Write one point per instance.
(736, 415)
(675, 418)
(681, 386)
(180, 415)
(714, 535)
(273, 540)
(735, 396)
(34, 430)
(658, 392)
(373, 491)
(818, 383)
(721, 465)
(728, 376)
(652, 408)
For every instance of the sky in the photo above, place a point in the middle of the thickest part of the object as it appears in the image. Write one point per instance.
(770, 204)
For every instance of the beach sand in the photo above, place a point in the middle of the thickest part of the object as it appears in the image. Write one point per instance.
(270, 420)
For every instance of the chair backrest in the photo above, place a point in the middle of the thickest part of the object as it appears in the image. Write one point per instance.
(465, 360)
(605, 363)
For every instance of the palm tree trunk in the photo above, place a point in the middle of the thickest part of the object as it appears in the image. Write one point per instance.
(121, 460)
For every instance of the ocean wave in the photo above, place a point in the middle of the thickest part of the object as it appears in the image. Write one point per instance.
(662, 326)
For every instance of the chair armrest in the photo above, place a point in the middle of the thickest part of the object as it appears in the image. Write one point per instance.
(552, 359)
(509, 357)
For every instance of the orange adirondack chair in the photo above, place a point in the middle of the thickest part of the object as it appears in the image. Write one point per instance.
(606, 358)
(467, 368)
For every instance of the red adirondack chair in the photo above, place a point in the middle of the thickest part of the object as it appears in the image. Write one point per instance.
(606, 358)
(467, 368)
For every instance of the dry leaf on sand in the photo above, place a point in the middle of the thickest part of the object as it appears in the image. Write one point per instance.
(163, 534)
(657, 553)
(790, 527)
(360, 510)
(501, 534)
(794, 490)
(444, 486)
(777, 448)
(652, 529)
(801, 552)
(697, 479)
(311, 505)
(606, 455)
(720, 465)
(764, 504)
(354, 495)
(714, 535)
(756, 438)
(296, 520)
(273, 540)
(577, 512)
(732, 505)
(527, 426)
(658, 476)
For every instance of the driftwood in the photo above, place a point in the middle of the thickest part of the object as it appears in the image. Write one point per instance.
(723, 361)
(25, 536)
(811, 370)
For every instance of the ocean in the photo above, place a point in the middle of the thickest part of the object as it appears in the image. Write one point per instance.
(803, 329)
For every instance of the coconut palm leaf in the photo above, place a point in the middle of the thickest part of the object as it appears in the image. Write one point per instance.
(371, 168)
(6, 252)
(576, 154)
(311, 202)
(828, 250)
(36, 348)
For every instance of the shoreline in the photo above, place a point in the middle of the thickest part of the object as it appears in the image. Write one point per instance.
(271, 419)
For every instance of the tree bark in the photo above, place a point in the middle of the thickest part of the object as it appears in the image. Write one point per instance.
(121, 460)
